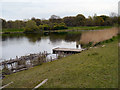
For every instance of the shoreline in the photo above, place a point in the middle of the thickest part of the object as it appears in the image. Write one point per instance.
(38, 57)
(71, 29)
(68, 68)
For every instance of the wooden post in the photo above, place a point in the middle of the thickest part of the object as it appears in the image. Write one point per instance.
(40, 84)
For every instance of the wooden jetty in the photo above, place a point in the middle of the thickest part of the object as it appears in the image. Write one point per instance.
(23, 62)
(66, 50)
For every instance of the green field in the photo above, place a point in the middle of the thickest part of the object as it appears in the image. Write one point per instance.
(69, 28)
(94, 68)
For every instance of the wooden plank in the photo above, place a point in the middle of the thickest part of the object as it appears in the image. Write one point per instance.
(40, 84)
(6, 85)
(67, 50)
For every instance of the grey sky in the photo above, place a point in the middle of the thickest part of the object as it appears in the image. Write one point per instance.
(25, 9)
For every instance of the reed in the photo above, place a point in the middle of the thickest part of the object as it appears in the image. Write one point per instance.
(98, 36)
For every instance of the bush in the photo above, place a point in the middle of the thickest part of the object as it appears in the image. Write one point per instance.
(53, 26)
(31, 27)
(44, 27)
(59, 26)
(41, 27)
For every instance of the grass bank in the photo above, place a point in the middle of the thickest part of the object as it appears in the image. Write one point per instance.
(94, 68)
(69, 28)
(12, 30)
(89, 28)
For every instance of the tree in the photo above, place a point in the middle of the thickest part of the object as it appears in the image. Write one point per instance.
(53, 26)
(112, 14)
(3, 23)
(55, 19)
(18, 24)
(107, 20)
(114, 18)
(38, 21)
(89, 21)
(69, 21)
(9, 24)
(119, 20)
(31, 26)
(59, 26)
(80, 20)
(44, 21)
(104, 17)
(98, 21)
(44, 27)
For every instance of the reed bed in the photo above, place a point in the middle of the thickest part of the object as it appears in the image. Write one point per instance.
(98, 36)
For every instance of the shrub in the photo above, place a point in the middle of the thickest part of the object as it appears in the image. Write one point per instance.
(44, 27)
(31, 27)
(59, 26)
(53, 26)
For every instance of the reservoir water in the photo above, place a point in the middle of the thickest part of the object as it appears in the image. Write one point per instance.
(24, 44)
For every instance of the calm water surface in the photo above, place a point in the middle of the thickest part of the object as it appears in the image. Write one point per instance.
(24, 44)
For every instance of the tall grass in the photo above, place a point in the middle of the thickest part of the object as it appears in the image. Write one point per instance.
(98, 36)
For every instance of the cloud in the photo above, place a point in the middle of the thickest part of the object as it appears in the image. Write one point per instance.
(24, 9)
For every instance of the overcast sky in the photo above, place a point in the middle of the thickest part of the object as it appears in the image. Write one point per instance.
(25, 9)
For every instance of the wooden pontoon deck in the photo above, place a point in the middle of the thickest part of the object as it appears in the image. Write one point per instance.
(67, 50)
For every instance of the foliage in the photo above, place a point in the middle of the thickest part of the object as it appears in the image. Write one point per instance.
(69, 21)
(31, 26)
(38, 21)
(55, 22)
(55, 19)
(114, 38)
(90, 44)
(80, 20)
(54, 26)
(59, 26)
(44, 27)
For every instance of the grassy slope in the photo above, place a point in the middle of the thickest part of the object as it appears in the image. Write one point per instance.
(94, 68)
(69, 28)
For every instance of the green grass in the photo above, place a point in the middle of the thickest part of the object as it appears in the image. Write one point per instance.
(94, 68)
(89, 28)
(90, 44)
(69, 28)
(12, 30)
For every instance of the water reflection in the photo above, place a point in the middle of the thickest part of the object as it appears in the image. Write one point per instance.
(23, 44)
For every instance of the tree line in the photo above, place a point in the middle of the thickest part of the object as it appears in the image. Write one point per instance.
(57, 23)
